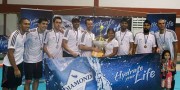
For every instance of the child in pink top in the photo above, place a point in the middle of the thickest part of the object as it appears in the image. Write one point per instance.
(167, 68)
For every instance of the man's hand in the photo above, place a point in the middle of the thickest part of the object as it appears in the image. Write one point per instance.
(75, 54)
(96, 49)
(51, 56)
(130, 52)
(174, 63)
(158, 50)
(17, 73)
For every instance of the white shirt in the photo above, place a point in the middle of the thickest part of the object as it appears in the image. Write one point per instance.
(110, 45)
(124, 39)
(73, 38)
(53, 40)
(145, 43)
(34, 47)
(165, 41)
(16, 42)
(87, 39)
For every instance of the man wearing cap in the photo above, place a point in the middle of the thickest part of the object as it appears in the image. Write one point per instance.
(71, 40)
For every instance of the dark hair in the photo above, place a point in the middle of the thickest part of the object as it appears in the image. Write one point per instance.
(124, 20)
(110, 29)
(164, 52)
(161, 19)
(75, 19)
(42, 19)
(57, 17)
(88, 19)
(147, 21)
(22, 19)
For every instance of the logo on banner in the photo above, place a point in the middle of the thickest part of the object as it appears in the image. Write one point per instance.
(77, 80)
(169, 24)
(138, 74)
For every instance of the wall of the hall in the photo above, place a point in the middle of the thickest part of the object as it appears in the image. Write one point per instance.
(166, 4)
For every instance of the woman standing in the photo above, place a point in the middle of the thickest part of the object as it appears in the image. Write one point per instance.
(111, 48)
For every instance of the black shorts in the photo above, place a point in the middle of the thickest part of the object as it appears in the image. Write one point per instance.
(65, 54)
(33, 70)
(8, 78)
(173, 72)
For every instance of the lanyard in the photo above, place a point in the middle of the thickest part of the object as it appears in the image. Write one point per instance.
(57, 38)
(76, 34)
(145, 39)
(163, 41)
(40, 40)
(91, 37)
(123, 36)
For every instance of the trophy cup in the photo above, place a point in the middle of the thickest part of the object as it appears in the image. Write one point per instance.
(99, 43)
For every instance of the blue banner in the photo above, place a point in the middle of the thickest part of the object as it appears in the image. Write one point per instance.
(107, 22)
(34, 14)
(3, 44)
(135, 72)
(170, 20)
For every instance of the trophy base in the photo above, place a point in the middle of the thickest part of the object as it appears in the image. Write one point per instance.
(97, 54)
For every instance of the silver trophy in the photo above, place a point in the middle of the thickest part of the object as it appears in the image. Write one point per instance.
(99, 42)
